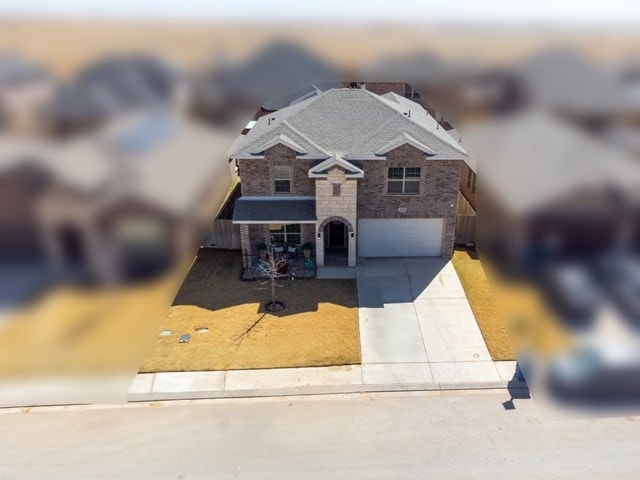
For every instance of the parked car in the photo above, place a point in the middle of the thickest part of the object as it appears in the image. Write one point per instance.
(572, 291)
(619, 273)
(609, 374)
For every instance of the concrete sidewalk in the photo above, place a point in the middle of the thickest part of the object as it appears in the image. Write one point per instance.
(256, 383)
(319, 380)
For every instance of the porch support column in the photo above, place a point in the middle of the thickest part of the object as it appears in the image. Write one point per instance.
(351, 262)
(319, 245)
(247, 254)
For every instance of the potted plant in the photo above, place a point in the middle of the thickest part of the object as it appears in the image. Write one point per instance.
(306, 248)
(262, 250)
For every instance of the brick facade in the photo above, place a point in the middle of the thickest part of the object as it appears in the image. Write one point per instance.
(257, 174)
(439, 183)
(350, 199)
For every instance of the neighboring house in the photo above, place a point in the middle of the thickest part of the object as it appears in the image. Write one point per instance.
(289, 98)
(230, 93)
(573, 86)
(549, 191)
(354, 173)
(126, 202)
(444, 83)
(25, 88)
(114, 87)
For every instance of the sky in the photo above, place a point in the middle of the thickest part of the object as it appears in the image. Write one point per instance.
(578, 12)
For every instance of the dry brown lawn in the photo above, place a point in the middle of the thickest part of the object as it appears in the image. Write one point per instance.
(319, 326)
(483, 305)
(512, 315)
(531, 322)
(72, 330)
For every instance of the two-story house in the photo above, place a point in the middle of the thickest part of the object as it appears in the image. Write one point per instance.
(354, 173)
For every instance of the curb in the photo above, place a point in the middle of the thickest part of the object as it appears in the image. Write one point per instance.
(325, 390)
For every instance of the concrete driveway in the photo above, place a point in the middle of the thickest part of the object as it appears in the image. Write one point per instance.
(416, 324)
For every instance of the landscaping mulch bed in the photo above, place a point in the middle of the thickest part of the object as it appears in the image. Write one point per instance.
(297, 269)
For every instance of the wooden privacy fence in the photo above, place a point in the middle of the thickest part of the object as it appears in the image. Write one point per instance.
(465, 228)
(223, 234)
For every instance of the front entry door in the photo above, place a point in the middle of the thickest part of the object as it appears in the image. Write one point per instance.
(336, 234)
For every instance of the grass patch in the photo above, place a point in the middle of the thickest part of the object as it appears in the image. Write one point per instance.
(481, 299)
(73, 330)
(319, 326)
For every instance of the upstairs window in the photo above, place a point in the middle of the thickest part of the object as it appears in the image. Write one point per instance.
(403, 181)
(282, 179)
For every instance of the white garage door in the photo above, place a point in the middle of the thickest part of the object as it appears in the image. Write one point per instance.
(400, 237)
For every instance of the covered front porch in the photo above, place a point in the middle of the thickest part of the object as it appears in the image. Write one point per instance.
(277, 226)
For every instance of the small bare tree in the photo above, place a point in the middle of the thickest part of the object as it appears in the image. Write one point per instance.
(271, 269)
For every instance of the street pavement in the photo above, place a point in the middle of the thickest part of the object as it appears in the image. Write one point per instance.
(425, 435)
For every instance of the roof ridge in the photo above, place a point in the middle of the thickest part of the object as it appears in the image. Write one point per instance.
(311, 100)
(372, 134)
(301, 135)
(413, 122)
(273, 128)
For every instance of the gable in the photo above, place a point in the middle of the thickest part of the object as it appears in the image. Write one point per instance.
(281, 139)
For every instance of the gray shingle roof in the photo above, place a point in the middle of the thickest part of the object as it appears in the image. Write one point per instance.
(172, 172)
(279, 68)
(564, 80)
(15, 70)
(353, 123)
(115, 86)
(531, 160)
(274, 210)
(291, 97)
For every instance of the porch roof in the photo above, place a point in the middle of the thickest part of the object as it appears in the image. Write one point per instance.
(275, 210)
